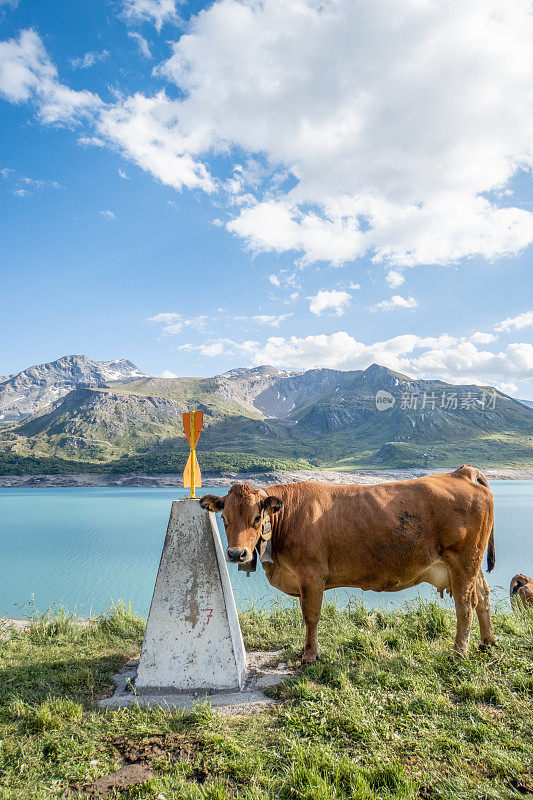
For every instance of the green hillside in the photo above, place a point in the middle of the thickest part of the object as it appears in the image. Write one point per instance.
(263, 418)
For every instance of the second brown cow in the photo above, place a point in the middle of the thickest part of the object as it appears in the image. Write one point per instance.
(522, 589)
(384, 537)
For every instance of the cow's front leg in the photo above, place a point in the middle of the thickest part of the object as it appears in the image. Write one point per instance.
(311, 603)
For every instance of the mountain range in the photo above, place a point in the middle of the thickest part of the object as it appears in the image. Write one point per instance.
(30, 391)
(75, 414)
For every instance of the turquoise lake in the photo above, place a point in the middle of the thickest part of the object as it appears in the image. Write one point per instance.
(88, 547)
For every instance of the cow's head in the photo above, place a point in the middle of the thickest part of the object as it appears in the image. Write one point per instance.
(517, 583)
(242, 513)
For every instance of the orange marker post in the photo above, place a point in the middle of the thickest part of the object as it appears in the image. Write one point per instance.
(192, 425)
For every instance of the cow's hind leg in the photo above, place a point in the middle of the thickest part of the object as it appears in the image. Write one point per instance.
(483, 610)
(465, 597)
(311, 603)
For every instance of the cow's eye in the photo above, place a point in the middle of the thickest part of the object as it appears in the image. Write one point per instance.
(257, 520)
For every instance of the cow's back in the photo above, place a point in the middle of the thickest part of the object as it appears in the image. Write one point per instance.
(383, 535)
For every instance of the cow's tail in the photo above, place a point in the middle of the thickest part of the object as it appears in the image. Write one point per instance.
(491, 553)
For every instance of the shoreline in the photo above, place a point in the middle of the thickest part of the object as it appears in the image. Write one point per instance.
(170, 481)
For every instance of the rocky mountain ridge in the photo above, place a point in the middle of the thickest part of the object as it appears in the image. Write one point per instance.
(320, 417)
(28, 392)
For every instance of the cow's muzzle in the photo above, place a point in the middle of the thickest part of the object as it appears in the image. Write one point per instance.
(237, 555)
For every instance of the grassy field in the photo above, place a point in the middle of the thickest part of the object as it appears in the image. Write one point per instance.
(387, 713)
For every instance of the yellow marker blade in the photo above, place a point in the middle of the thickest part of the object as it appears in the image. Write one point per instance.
(198, 421)
(187, 425)
(192, 425)
(187, 473)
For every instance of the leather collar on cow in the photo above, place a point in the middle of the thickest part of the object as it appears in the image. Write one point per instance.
(263, 546)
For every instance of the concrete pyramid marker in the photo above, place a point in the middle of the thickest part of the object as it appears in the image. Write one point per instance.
(193, 640)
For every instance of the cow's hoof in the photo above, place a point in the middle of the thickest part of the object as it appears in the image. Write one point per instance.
(487, 645)
(307, 661)
(459, 655)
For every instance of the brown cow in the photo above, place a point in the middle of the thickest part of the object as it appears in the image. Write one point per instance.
(384, 537)
(522, 588)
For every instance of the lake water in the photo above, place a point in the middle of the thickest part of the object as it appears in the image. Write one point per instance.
(88, 547)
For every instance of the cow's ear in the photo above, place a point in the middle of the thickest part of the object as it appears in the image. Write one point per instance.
(272, 504)
(211, 502)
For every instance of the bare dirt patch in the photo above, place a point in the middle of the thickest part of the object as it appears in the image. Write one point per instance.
(140, 757)
(123, 778)
(152, 748)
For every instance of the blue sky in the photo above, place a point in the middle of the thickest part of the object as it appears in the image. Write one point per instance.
(297, 183)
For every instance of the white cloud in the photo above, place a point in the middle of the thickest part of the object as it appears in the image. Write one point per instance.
(507, 388)
(123, 175)
(173, 323)
(482, 338)
(107, 214)
(212, 349)
(89, 60)
(274, 225)
(396, 301)
(26, 72)
(273, 320)
(329, 300)
(91, 141)
(168, 374)
(398, 139)
(354, 286)
(285, 279)
(464, 362)
(337, 350)
(23, 186)
(363, 130)
(142, 44)
(148, 131)
(515, 323)
(23, 65)
(445, 357)
(395, 278)
(156, 11)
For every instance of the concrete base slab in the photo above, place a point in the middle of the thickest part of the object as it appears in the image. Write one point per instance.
(251, 698)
